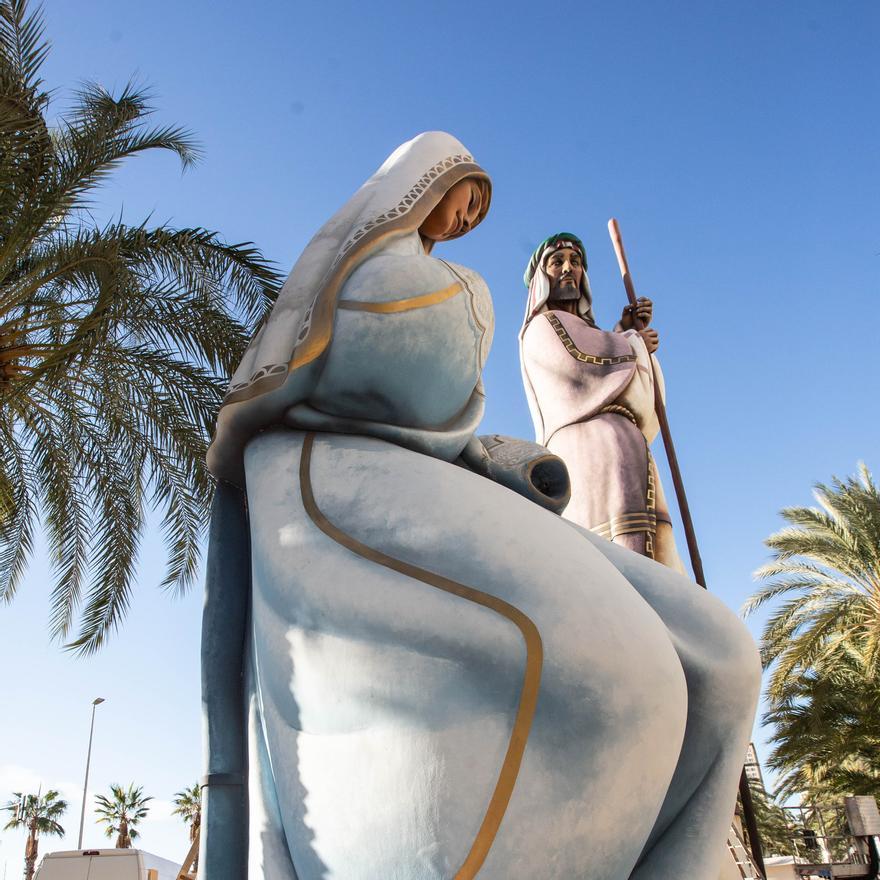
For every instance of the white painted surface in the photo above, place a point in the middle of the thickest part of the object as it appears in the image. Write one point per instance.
(386, 705)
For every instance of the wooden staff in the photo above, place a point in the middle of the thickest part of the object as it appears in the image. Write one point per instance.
(687, 521)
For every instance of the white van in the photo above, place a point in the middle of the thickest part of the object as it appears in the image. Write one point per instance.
(105, 864)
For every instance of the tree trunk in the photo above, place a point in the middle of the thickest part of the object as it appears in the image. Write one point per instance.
(30, 854)
(193, 831)
(123, 841)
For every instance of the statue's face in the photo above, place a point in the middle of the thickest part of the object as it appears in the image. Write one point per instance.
(456, 213)
(565, 268)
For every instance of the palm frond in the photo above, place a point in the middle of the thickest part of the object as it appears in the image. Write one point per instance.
(22, 44)
(17, 525)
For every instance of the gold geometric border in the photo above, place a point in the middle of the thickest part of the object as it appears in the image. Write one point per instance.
(651, 502)
(582, 356)
(531, 679)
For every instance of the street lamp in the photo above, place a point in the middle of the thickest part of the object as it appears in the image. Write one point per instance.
(82, 815)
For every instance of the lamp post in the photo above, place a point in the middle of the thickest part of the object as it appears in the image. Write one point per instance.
(82, 815)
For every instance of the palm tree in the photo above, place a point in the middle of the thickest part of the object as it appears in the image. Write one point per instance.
(188, 805)
(827, 732)
(823, 642)
(828, 562)
(39, 815)
(113, 339)
(121, 812)
(775, 828)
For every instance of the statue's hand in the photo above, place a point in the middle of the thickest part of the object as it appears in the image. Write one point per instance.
(652, 340)
(644, 312)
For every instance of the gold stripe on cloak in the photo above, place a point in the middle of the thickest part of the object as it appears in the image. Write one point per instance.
(402, 305)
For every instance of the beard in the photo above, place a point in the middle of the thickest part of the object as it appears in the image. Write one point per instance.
(562, 292)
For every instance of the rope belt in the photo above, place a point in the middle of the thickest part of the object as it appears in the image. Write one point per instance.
(618, 410)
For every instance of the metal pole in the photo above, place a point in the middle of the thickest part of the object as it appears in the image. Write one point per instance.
(82, 815)
(687, 522)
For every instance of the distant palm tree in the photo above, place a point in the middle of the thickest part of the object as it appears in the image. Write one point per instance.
(115, 342)
(774, 826)
(121, 812)
(188, 805)
(828, 562)
(39, 814)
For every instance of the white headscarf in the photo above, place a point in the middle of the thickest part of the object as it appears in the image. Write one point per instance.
(282, 362)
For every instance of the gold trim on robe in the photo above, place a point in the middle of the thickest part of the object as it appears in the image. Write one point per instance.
(402, 305)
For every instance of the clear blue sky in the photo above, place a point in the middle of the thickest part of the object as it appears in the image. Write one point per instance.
(737, 143)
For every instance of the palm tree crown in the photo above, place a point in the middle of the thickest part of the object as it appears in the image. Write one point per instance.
(39, 811)
(828, 562)
(121, 812)
(113, 340)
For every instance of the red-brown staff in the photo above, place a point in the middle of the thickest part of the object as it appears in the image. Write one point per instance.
(688, 523)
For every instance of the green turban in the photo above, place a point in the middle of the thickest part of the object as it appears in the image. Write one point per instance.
(553, 242)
